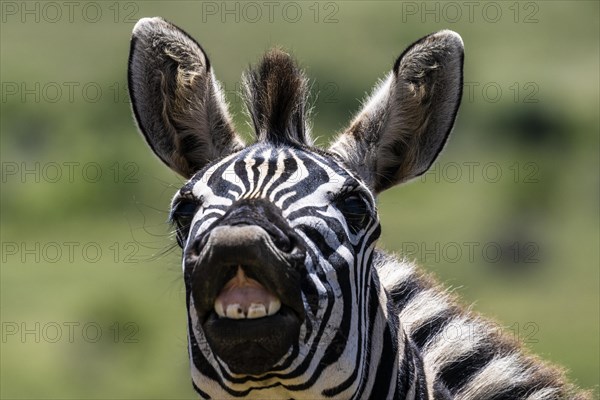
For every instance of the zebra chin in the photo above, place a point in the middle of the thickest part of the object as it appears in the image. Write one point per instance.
(242, 262)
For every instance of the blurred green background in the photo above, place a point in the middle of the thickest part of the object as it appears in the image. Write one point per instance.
(92, 299)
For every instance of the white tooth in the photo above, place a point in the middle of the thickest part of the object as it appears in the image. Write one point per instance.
(234, 311)
(274, 306)
(219, 308)
(257, 310)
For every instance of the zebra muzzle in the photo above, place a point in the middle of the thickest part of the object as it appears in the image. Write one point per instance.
(246, 294)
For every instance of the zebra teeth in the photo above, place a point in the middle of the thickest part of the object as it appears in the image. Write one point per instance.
(274, 306)
(235, 311)
(219, 309)
(243, 297)
(256, 310)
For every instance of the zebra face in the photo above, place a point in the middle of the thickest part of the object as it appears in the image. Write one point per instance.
(278, 236)
(274, 240)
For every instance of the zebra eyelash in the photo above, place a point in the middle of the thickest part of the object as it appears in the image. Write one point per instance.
(183, 212)
(347, 190)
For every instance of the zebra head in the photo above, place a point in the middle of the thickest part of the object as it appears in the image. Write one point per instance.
(278, 236)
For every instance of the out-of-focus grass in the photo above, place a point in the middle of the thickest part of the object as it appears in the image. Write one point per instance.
(549, 297)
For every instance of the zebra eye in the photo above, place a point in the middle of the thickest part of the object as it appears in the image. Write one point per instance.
(355, 211)
(182, 215)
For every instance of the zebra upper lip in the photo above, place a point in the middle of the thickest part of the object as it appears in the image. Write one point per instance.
(229, 247)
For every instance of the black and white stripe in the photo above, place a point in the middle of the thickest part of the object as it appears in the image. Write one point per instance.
(336, 287)
(374, 326)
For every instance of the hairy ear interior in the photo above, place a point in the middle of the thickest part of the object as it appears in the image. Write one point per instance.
(176, 100)
(406, 121)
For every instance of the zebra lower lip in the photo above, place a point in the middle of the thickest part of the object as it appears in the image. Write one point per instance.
(252, 346)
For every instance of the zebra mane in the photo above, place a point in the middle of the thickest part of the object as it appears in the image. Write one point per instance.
(276, 93)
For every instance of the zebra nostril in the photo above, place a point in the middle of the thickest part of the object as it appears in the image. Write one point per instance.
(196, 246)
(283, 243)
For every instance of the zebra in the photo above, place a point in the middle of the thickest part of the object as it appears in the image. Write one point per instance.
(287, 296)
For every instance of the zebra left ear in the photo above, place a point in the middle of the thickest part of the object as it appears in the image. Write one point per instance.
(406, 121)
(176, 100)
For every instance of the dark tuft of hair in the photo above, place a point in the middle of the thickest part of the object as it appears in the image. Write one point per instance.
(276, 93)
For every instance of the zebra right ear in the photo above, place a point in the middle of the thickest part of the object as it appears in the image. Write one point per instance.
(176, 100)
(404, 124)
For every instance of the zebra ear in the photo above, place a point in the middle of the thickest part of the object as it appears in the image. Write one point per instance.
(176, 100)
(406, 121)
